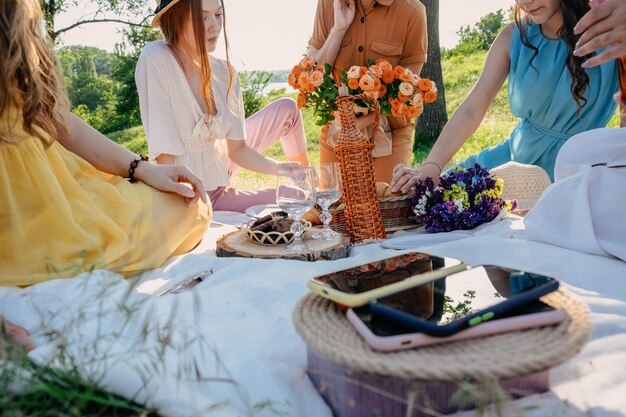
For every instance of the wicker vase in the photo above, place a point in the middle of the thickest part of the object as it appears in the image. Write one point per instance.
(354, 154)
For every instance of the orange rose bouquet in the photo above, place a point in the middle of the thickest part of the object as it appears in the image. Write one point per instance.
(316, 88)
(399, 92)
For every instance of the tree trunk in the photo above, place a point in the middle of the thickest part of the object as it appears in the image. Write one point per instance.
(429, 125)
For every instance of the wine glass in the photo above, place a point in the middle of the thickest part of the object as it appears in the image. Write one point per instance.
(295, 194)
(328, 184)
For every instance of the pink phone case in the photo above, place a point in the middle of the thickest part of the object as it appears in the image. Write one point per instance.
(411, 340)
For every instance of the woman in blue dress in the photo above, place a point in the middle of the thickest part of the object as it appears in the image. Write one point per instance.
(549, 90)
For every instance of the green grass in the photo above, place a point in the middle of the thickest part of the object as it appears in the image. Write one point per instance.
(459, 72)
(133, 139)
(55, 393)
(498, 121)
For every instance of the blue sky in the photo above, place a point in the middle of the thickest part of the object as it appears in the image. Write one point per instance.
(274, 34)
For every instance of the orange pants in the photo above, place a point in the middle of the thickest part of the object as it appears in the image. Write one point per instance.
(401, 150)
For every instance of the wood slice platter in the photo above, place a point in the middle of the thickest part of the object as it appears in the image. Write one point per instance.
(235, 244)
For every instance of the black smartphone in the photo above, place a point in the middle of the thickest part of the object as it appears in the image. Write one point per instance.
(387, 335)
(464, 299)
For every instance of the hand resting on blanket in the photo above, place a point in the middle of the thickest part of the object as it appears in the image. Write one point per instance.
(14, 335)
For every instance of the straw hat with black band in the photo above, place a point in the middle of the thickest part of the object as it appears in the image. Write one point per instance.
(162, 7)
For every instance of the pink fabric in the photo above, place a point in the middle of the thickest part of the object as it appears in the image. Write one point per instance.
(281, 119)
(231, 199)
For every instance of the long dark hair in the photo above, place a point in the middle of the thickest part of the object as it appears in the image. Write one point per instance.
(171, 24)
(573, 11)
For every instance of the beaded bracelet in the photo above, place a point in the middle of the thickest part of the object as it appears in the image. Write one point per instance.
(433, 163)
(133, 166)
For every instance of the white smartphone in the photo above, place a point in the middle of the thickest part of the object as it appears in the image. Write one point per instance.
(386, 335)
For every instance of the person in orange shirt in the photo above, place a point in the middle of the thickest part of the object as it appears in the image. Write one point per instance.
(350, 32)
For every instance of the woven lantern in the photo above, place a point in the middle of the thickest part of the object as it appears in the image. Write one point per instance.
(354, 154)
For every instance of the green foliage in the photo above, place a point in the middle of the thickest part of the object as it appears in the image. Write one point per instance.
(461, 309)
(322, 99)
(56, 393)
(123, 72)
(101, 85)
(133, 139)
(460, 72)
(252, 85)
(120, 11)
(480, 36)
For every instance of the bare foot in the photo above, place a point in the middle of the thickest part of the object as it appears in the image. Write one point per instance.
(15, 334)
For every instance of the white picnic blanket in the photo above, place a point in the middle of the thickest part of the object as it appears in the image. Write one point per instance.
(230, 342)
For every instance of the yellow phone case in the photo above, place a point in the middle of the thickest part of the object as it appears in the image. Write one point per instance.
(360, 299)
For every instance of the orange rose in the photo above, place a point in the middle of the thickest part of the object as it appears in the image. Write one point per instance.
(309, 88)
(398, 70)
(430, 97)
(403, 109)
(402, 98)
(382, 91)
(301, 100)
(292, 80)
(304, 81)
(363, 71)
(424, 84)
(296, 70)
(316, 78)
(353, 83)
(384, 64)
(394, 112)
(377, 84)
(388, 76)
(418, 99)
(394, 103)
(373, 94)
(407, 77)
(366, 83)
(375, 71)
(415, 111)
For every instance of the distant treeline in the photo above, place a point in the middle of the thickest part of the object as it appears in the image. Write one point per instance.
(102, 90)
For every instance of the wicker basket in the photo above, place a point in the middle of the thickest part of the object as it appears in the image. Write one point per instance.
(354, 153)
(397, 214)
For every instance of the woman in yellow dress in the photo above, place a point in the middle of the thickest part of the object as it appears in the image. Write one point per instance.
(66, 205)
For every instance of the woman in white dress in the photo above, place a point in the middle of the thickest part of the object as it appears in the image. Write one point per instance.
(192, 108)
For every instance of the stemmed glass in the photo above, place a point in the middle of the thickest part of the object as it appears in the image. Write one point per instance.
(295, 194)
(328, 184)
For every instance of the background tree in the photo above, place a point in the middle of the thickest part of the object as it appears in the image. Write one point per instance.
(128, 12)
(429, 125)
(480, 36)
(123, 72)
(253, 84)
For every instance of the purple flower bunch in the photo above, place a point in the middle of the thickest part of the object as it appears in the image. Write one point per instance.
(464, 199)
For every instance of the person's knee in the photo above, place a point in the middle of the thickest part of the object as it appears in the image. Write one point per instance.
(288, 107)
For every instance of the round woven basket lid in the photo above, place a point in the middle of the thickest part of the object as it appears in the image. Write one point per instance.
(524, 183)
(326, 330)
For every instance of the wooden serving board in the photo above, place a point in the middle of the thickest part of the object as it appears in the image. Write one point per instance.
(235, 244)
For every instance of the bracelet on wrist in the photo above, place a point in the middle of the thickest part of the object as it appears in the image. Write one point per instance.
(133, 166)
(433, 163)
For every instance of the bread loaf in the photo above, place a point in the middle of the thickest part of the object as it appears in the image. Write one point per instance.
(312, 216)
(384, 190)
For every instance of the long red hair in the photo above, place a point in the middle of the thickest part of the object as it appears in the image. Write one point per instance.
(172, 23)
